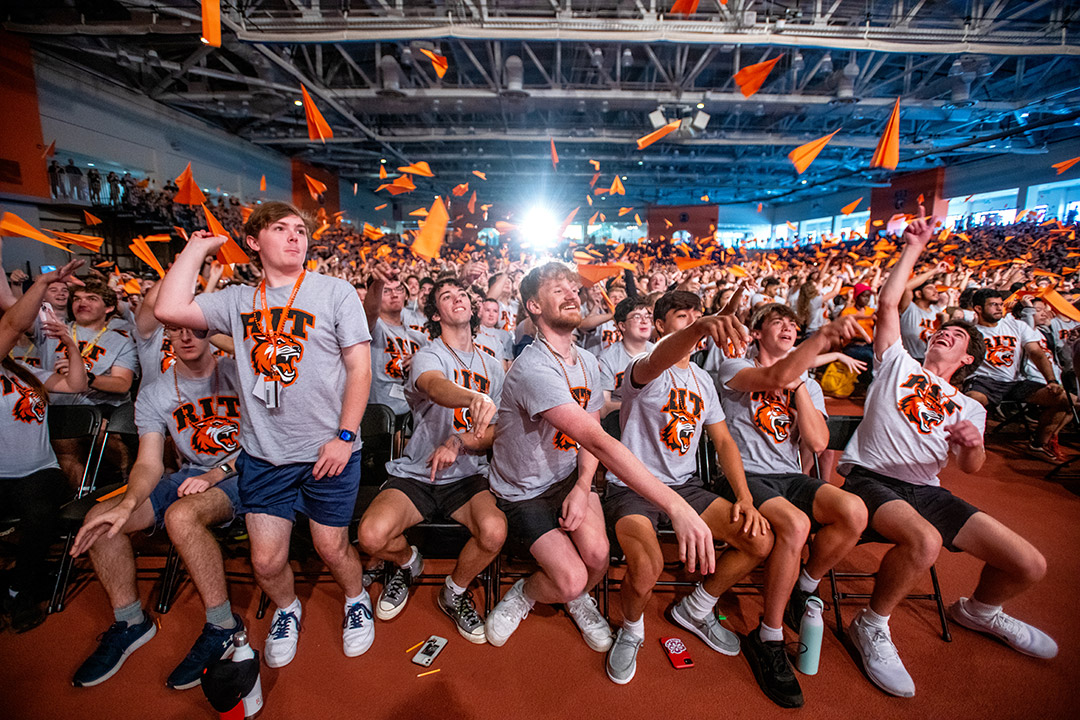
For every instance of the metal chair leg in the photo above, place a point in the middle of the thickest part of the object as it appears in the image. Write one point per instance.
(264, 602)
(63, 577)
(836, 603)
(169, 577)
(945, 634)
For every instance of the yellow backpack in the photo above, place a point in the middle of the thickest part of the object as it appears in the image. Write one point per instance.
(837, 381)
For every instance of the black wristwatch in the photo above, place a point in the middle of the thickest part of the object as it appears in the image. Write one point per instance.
(346, 435)
(90, 378)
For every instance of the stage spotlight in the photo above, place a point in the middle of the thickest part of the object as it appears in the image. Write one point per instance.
(540, 229)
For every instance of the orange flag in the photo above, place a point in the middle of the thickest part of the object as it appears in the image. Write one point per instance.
(262, 184)
(479, 174)
(684, 7)
(617, 187)
(647, 140)
(554, 156)
(317, 127)
(315, 187)
(802, 156)
(887, 154)
(13, 225)
(188, 192)
(850, 207)
(143, 252)
(430, 238)
(382, 172)
(91, 220)
(90, 242)
(51, 150)
(211, 22)
(439, 62)
(419, 168)
(752, 77)
(1065, 165)
(460, 190)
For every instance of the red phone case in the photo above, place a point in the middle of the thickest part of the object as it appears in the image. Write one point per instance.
(677, 653)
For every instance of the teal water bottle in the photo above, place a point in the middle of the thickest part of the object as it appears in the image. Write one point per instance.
(810, 631)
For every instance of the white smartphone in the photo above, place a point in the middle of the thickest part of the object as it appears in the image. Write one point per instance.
(429, 651)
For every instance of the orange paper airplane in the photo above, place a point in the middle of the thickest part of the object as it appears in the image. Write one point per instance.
(850, 207)
(317, 127)
(617, 187)
(188, 192)
(802, 156)
(684, 7)
(13, 225)
(315, 187)
(418, 168)
(554, 155)
(887, 154)
(211, 22)
(91, 220)
(439, 62)
(479, 174)
(460, 190)
(262, 184)
(647, 140)
(752, 77)
(1065, 165)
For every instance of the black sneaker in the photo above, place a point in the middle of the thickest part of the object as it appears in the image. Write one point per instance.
(24, 612)
(796, 607)
(772, 670)
(213, 643)
(116, 644)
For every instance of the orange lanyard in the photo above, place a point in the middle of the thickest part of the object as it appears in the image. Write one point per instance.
(266, 321)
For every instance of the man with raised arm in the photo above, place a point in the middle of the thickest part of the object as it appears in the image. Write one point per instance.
(668, 404)
(914, 418)
(304, 367)
(546, 450)
(453, 389)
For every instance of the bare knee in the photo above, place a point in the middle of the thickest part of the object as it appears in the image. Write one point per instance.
(491, 534)
(791, 530)
(373, 535)
(267, 562)
(643, 570)
(597, 556)
(924, 545)
(1029, 567)
(853, 516)
(570, 582)
(334, 549)
(181, 518)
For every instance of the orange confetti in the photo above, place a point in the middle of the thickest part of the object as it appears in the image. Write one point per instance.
(850, 207)
(759, 206)
(595, 165)
(647, 140)
(752, 77)
(623, 211)
(317, 127)
(802, 156)
(887, 154)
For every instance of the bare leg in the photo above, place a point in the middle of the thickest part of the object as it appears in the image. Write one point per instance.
(843, 519)
(333, 546)
(188, 521)
(382, 528)
(113, 558)
(916, 550)
(644, 563)
(1012, 564)
(592, 542)
(488, 527)
(745, 553)
(270, 556)
(790, 527)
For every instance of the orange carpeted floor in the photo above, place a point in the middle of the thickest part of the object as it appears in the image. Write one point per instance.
(546, 670)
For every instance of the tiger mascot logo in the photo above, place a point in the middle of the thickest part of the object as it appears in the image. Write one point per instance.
(214, 435)
(168, 355)
(924, 408)
(679, 431)
(999, 356)
(29, 407)
(462, 420)
(283, 363)
(773, 418)
(562, 441)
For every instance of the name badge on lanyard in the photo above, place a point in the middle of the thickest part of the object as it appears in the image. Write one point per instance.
(268, 389)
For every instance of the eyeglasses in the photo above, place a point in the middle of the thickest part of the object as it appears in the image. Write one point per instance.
(639, 317)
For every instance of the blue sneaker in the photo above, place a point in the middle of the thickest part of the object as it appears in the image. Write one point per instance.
(214, 643)
(116, 644)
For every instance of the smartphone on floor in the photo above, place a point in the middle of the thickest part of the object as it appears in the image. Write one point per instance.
(677, 653)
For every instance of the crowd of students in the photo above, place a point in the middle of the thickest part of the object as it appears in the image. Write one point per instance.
(504, 370)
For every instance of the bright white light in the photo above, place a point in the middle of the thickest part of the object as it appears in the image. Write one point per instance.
(540, 228)
(298, 103)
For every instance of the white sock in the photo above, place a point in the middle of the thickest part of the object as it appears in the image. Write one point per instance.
(871, 618)
(700, 603)
(453, 588)
(635, 627)
(980, 609)
(770, 634)
(525, 594)
(806, 583)
(412, 559)
(362, 597)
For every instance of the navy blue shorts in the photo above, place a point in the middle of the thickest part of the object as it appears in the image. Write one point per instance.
(164, 493)
(284, 490)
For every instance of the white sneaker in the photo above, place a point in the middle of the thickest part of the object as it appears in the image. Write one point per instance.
(505, 617)
(594, 628)
(1016, 633)
(879, 657)
(283, 638)
(358, 629)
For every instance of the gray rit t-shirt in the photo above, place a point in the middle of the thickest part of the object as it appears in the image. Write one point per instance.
(390, 345)
(204, 422)
(434, 423)
(113, 348)
(24, 428)
(497, 343)
(326, 317)
(763, 423)
(613, 362)
(663, 420)
(530, 454)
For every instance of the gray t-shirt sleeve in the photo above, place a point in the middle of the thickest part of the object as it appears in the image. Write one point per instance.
(218, 309)
(350, 320)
